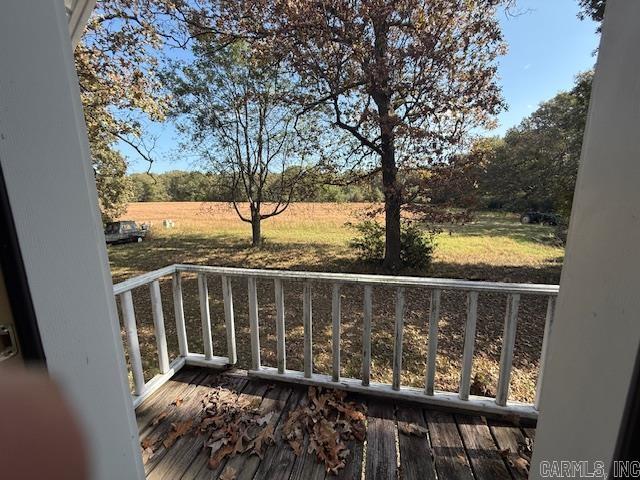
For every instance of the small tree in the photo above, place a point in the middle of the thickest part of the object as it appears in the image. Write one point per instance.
(237, 113)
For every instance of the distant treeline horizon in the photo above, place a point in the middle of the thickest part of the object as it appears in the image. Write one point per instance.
(197, 186)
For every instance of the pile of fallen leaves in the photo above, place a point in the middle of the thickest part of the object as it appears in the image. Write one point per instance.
(234, 425)
(329, 423)
(230, 424)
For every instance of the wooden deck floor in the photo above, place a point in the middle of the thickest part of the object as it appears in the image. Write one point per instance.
(457, 446)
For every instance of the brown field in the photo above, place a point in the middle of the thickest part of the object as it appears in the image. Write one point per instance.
(313, 237)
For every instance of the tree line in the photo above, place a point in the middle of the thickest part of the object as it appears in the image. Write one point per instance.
(532, 167)
(190, 186)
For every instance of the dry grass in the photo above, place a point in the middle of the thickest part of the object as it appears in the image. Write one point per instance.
(313, 237)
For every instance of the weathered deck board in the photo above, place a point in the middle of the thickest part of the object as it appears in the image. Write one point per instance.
(530, 432)
(278, 460)
(448, 449)
(416, 460)
(508, 437)
(485, 459)
(457, 446)
(306, 466)
(381, 439)
(274, 401)
(156, 403)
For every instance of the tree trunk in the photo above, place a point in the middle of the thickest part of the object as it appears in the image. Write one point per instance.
(256, 236)
(392, 204)
(387, 121)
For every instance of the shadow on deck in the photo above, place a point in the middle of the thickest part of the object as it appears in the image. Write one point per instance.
(456, 446)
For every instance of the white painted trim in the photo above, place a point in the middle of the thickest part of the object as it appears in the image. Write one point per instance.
(254, 323)
(469, 341)
(158, 325)
(79, 13)
(398, 332)
(133, 342)
(546, 339)
(229, 320)
(280, 325)
(45, 160)
(591, 357)
(366, 334)
(199, 360)
(308, 329)
(142, 280)
(205, 315)
(178, 309)
(432, 347)
(383, 280)
(336, 313)
(508, 345)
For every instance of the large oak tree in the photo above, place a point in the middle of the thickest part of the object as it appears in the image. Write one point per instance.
(404, 79)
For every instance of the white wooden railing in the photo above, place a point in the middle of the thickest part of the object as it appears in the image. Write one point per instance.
(461, 400)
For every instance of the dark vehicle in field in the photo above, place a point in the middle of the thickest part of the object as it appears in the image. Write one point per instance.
(539, 217)
(124, 232)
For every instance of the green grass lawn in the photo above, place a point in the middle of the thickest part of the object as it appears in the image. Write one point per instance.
(494, 247)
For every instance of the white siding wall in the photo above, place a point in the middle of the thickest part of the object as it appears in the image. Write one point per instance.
(45, 159)
(597, 329)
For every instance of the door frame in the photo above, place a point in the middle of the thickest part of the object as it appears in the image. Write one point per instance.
(50, 185)
(17, 286)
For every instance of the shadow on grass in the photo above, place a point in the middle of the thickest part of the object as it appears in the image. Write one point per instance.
(508, 226)
(230, 251)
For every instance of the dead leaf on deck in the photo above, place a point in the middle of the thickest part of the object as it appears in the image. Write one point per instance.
(147, 454)
(177, 430)
(264, 438)
(265, 419)
(159, 418)
(412, 429)
(516, 461)
(229, 473)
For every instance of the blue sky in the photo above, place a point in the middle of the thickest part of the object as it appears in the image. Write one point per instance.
(548, 46)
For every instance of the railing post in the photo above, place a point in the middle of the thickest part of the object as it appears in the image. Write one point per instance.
(158, 324)
(548, 327)
(434, 316)
(469, 340)
(280, 331)
(253, 323)
(129, 320)
(178, 308)
(335, 317)
(308, 330)
(366, 335)
(227, 297)
(397, 343)
(508, 342)
(205, 316)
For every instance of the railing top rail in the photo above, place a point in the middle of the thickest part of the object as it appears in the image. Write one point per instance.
(366, 279)
(141, 280)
